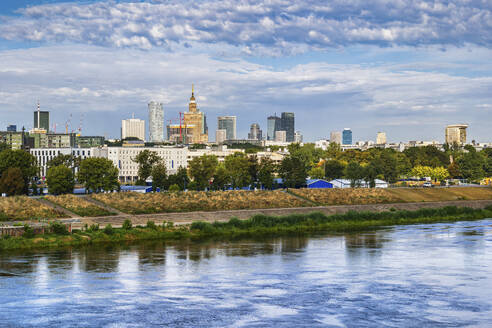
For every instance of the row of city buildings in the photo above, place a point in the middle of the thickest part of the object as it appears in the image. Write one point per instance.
(192, 127)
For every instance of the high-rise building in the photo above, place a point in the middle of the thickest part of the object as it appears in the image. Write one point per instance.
(255, 132)
(336, 137)
(381, 138)
(156, 122)
(298, 137)
(180, 133)
(280, 136)
(12, 128)
(41, 120)
(347, 136)
(456, 133)
(220, 136)
(288, 125)
(197, 119)
(227, 123)
(133, 128)
(273, 125)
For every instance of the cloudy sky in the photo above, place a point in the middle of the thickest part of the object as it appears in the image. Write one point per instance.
(404, 67)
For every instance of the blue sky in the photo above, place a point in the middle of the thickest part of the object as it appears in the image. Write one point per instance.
(404, 67)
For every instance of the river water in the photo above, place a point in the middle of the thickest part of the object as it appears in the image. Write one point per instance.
(436, 275)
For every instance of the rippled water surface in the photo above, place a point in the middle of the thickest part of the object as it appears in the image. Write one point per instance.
(411, 276)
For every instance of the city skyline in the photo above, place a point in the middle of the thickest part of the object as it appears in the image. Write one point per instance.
(388, 71)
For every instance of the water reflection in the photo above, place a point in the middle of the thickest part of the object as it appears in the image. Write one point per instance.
(433, 275)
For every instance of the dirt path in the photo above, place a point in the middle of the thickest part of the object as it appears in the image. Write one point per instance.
(59, 208)
(187, 218)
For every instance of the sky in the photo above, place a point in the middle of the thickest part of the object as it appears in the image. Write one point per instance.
(407, 68)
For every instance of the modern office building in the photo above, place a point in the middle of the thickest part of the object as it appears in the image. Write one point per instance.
(255, 132)
(336, 137)
(456, 133)
(89, 141)
(280, 136)
(298, 137)
(347, 136)
(12, 128)
(220, 136)
(196, 121)
(133, 128)
(381, 138)
(156, 122)
(273, 125)
(41, 119)
(227, 123)
(287, 124)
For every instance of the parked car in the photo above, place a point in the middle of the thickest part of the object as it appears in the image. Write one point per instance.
(427, 185)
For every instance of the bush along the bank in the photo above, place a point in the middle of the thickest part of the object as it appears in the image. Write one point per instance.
(256, 226)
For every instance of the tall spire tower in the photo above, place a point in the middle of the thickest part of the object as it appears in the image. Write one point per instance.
(192, 105)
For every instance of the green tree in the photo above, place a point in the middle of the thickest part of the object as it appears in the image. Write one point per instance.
(98, 174)
(334, 169)
(159, 176)
(472, 164)
(237, 166)
(293, 171)
(4, 146)
(180, 178)
(266, 173)
(316, 173)
(12, 182)
(253, 168)
(370, 173)
(202, 169)
(60, 180)
(21, 159)
(220, 178)
(146, 160)
(67, 160)
(354, 172)
(454, 170)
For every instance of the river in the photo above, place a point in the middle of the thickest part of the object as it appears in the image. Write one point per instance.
(437, 275)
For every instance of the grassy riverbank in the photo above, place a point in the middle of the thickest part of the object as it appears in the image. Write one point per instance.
(259, 225)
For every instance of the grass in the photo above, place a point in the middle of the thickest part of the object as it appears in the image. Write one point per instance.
(360, 196)
(79, 206)
(135, 203)
(25, 208)
(256, 226)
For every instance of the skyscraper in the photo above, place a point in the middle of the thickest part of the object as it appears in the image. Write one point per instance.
(156, 122)
(456, 133)
(347, 136)
(197, 119)
(288, 125)
(273, 125)
(227, 123)
(298, 137)
(41, 119)
(336, 137)
(133, 128)
(381, 138)
(255, 132)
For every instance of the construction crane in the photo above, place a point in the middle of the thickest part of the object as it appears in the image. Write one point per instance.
(80, 125)
(68, 123)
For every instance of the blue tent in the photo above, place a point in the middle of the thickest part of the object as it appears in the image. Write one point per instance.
(318, 183)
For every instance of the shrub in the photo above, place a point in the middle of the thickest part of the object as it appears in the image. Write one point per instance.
(127, 224)
(174, 188)
(202, 226)
(59, 228)
(108, 229)
(93, 228)
(151, 225)
(170, 224)
(28, 232)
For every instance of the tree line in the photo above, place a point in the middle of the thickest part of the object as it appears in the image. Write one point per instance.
(18, 169)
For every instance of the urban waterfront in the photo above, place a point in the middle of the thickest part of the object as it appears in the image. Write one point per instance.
(435, 275)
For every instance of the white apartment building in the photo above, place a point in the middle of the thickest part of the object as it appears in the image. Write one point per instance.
(221, 153)
(44, 155)
(122, 158)
(133, 127)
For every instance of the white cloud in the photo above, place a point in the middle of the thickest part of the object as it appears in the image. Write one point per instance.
(109, 84)
(276, 26)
